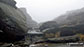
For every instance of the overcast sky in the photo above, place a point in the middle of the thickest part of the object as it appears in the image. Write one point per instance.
(45, 10)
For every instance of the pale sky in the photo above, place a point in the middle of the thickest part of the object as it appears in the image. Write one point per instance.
(45, 10)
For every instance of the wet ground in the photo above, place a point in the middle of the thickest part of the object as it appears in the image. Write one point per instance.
(56, 45)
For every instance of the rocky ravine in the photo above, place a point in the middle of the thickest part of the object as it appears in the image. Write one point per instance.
(30, 22)
(70, 23)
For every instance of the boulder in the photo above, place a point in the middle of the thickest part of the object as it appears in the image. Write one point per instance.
(13, 24)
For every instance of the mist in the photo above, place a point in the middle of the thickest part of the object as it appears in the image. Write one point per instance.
(46, 10)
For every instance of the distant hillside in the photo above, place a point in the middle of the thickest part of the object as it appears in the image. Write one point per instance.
(30, 21)
(48, 25)
(71, 17)
(68, 24)
(72, 22)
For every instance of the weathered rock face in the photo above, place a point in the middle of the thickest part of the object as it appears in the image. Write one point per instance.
(30, 22)
(9, 2)
(13, 24)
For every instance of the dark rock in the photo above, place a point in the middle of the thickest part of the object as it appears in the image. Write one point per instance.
(13, 26)
(9, 2)
(49, 24)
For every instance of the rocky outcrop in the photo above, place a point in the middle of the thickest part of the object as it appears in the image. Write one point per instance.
(13, 26)
(50, 25)
(9, 2)
(30, 22)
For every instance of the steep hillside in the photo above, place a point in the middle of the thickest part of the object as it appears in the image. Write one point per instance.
(72, 22)
(68, 24)
(30, 21)
(13, 26)
(71, 17)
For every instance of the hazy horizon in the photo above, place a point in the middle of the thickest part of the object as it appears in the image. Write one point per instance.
(45, 10)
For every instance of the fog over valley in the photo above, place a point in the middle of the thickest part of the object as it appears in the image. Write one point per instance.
(45, 10)
(41, 23)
